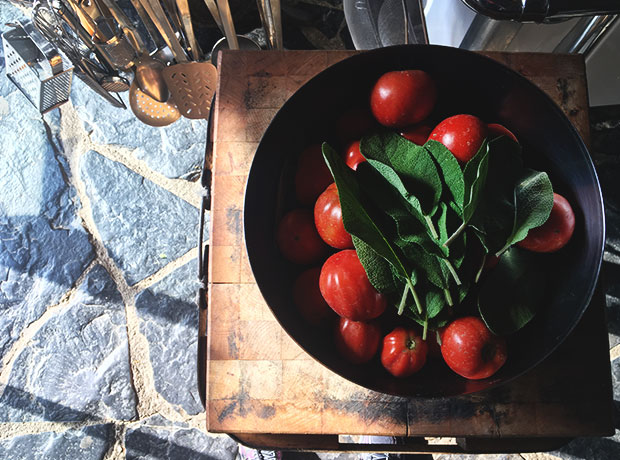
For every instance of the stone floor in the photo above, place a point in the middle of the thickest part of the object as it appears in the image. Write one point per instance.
(98, 248)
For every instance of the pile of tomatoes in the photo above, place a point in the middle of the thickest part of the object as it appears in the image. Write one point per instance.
(334, 289)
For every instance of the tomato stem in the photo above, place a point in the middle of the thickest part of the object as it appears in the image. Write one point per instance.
(448, 296)
(431, 227)
(403, 299)
(452, 272)
(425, 328)
(455, 234)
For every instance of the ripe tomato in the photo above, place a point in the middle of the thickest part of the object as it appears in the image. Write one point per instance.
(417, 134)
(496, 130)
(353, 124)
(461, 134)
(298, 239)
(403, 98)
(471, 350)
(309, 301)
(404, 352)
(555, 233)
(353, 156)
(357, 341)
(347, 290)
(312, 175)
(328, 219)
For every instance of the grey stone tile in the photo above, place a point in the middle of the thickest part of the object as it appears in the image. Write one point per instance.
(169, 320)
(142, 225)
(43, 247)
(173, 150)
(87, 443)
(159, 439)
(76, 367)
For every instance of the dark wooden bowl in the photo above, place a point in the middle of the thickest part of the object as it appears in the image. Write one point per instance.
(467, 83)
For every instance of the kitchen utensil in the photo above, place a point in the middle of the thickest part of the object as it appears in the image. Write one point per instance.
(148, 24)
(172, 11)
(271, 17)
(186, 20)
(215, 13)
(149, 111)
(39, 70)
(484, 88)
(542, 10)
(244, 43)
(158, 16)
(147, 69)
(192, 85)
(228, 24)
(150, 79)
(114, 84)
(91, 72)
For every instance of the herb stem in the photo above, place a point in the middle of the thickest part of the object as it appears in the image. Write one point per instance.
(403, 299)
(425, 327)
(446, 293)
(452, 272)
(416, 298)
(479, 272)
(455, 234)
(431, 227)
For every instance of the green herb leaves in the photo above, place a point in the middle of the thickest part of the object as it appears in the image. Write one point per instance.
(417, 219)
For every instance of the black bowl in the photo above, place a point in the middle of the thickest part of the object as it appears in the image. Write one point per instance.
(467, 83)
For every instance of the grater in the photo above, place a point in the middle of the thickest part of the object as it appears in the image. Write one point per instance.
(36, 67)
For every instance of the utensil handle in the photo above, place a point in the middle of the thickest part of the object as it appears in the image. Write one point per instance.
(215, 13)
(125, 23)
(228, 24)
(186, 19)
(158, 16)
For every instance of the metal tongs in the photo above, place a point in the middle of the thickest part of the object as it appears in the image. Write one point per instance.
(271, 17)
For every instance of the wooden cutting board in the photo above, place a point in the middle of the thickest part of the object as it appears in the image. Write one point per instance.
(260, 381)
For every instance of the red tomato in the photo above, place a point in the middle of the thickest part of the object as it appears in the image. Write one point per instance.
(555, 232)
(298, 239)
(309, 301)
(417, 134)
(461, 134)
(353, 156)
(497, 130)
(404, 352)
(491, 261)
(353, 124)
(357, 341)
(312, 176)
(328, 219)
(403, 98)
(471, 350)
(346, 289)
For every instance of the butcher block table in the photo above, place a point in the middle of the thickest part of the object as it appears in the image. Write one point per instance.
(265, 390)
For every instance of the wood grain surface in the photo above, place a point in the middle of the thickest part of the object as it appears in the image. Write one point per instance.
(260, 381)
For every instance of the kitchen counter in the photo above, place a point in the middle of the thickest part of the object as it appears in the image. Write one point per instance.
(98, 235)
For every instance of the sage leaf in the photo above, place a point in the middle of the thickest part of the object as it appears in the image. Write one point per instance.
(376, 267)
(475, 177)
(533, 195)
(512, 292)
(452, 174)
(413, 164)
(356, 217)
